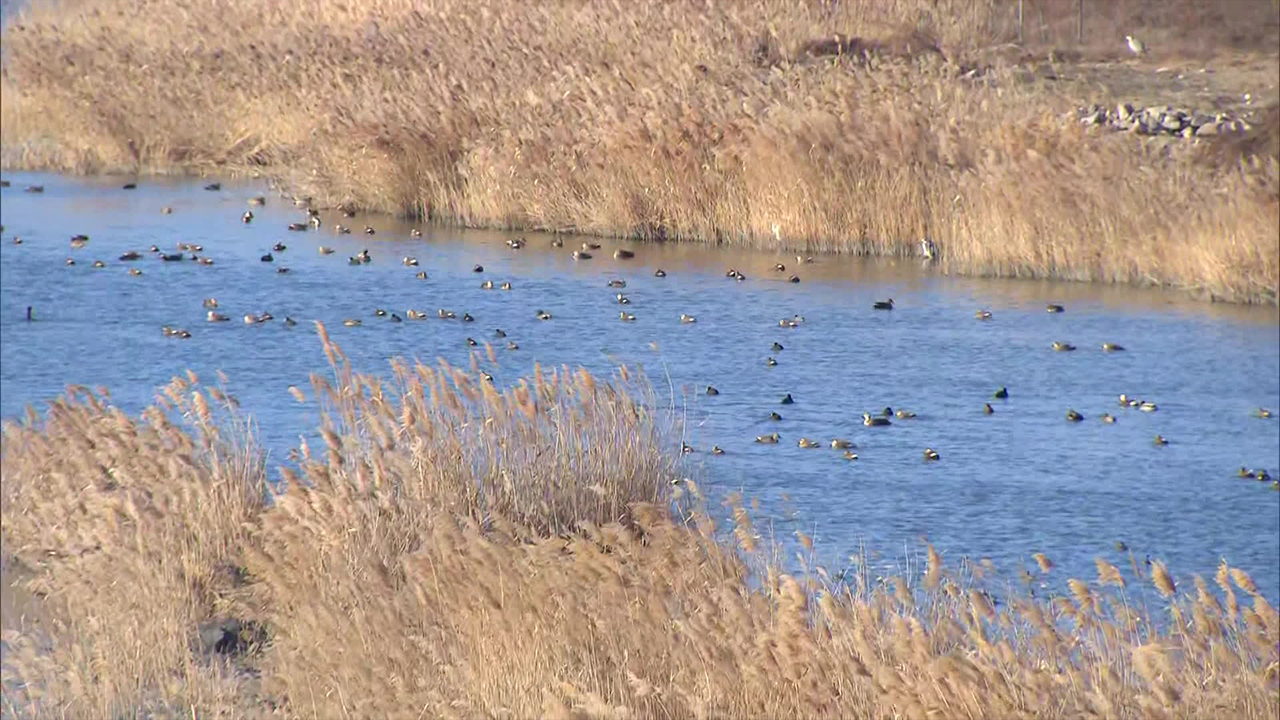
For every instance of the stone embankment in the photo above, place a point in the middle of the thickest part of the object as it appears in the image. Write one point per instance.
(1161, 120)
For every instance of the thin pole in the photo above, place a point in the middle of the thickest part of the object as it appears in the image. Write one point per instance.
(1080, 22)
(1019, 22)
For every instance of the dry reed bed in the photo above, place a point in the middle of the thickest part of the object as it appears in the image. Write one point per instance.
(708, 122)
(458, 551)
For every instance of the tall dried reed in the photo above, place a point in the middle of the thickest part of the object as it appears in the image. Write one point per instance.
(824, 126)
(457, 550)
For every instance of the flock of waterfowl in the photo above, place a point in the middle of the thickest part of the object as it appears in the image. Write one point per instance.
(882, 418)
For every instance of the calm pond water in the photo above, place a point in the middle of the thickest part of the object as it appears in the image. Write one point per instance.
(1020, 481)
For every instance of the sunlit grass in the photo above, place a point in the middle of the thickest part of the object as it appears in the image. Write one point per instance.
(678, 120)
(456, 549)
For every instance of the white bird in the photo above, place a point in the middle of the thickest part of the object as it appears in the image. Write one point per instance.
(928, 249)
(1135, 45)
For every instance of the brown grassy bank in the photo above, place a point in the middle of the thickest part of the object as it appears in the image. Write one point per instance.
(710, 122)
(453, 551)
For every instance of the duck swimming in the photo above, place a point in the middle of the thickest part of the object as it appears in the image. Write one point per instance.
(352, 322)
(289, 322)
(1074, 416)
(212, 316)
(622, 299)
(883, 304)
(688, 319)
(1112, 347)
(581, 255)
(1002, 394)
(660, 273)
(621, 254)
(1054, 308)
(807, 443)
(1262, 413)
(982, 314)
(325, 250)
(850, 455)
(1108, 418)
(987, 409)
(770, 362)
(715, 450)
(298, 227)
(626, 316)
(210, 303)
(712, 391)
(1063, 346)
(840, 444)
(776, 347)
(775, 416)
(768, 439)
(1161, 440)
(486, 285)
(247, 217)
(874, 421)
(505, 286)
(267, 258)
(543, 315)
(788, 400)
(617, 283)
(904, 414)
(409, 261)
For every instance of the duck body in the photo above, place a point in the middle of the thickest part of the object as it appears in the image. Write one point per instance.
(883, 304)
(931, 454)
(982, 314)
(875, 420)
(687, 319)
(1001, 394)
(769, 439)
(840, 444)
(1112, 347)
(788, 400)
(987, 409)
(1074, 416)
(1051, 308)
(806, 443)
(1063, 346)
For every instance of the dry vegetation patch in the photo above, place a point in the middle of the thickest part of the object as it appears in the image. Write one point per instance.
(852, 126)
(452, 550)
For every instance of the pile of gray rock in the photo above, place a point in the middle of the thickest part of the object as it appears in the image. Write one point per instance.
(1161, 120)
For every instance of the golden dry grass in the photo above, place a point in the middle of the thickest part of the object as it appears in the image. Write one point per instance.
(451, 550)
(844, 125)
